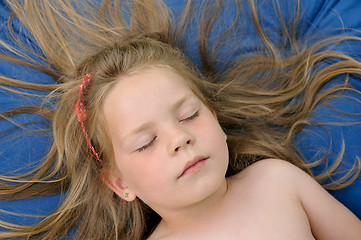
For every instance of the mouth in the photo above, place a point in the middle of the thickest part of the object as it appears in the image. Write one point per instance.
(193, 165)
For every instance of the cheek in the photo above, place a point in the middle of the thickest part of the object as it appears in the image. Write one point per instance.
(212, 130)
(215, 138)
(150, 182)
(129, 168)
(141, 172)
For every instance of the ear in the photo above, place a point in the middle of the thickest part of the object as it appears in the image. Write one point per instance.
(118, 186)
(214, 114)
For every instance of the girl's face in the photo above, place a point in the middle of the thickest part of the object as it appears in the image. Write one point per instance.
(169, 148)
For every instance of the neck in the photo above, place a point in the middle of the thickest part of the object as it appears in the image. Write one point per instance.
(187, 218)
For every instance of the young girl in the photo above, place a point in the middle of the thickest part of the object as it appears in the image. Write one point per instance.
(170, 152)
(145, 146)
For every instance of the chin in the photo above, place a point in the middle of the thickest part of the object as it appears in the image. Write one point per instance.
(210, 185)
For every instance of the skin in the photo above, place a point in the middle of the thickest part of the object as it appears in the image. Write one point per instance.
(165, 127)
(157, 125)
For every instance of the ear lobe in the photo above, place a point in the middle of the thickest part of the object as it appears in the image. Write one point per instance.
(118, 186)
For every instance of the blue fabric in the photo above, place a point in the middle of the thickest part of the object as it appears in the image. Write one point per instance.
(19, 155)
(318, 17)
(327, 16)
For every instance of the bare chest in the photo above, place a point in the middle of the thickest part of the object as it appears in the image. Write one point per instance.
(258, 221)
(253, 215)
(255, 222)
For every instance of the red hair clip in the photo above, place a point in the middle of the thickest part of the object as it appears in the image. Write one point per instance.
(81, 111)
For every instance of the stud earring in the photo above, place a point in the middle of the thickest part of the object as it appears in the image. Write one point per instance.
(126, 194)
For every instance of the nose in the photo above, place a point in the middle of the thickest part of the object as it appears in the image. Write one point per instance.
(187, 142)
(180, 139)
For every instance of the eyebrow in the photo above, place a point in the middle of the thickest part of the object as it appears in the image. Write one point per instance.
(146, 125)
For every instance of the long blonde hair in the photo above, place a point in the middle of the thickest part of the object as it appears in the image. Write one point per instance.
(262, 100)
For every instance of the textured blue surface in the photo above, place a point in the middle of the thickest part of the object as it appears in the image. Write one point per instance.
(318, 17)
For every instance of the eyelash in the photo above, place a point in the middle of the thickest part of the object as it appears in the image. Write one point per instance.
(146, 146)
(196, 114)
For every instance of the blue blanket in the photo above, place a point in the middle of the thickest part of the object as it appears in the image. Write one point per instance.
(21, 154)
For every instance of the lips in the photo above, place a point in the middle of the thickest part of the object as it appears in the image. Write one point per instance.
(193, 165)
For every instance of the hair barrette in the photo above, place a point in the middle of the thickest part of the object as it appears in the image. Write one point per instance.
(81, 111)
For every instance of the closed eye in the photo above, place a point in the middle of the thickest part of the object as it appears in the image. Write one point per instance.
(144, 147)
(196, 114)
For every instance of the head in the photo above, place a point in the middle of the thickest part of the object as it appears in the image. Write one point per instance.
(149, 114)
(158, 126)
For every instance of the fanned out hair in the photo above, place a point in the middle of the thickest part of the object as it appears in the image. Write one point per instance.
(263, 96)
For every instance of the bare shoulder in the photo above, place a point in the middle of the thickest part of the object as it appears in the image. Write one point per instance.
(271, 165)
(328, 218)
(271, 171)
(270, 180)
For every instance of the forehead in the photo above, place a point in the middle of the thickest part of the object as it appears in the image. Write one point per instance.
(150, 83)
(139, 95)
